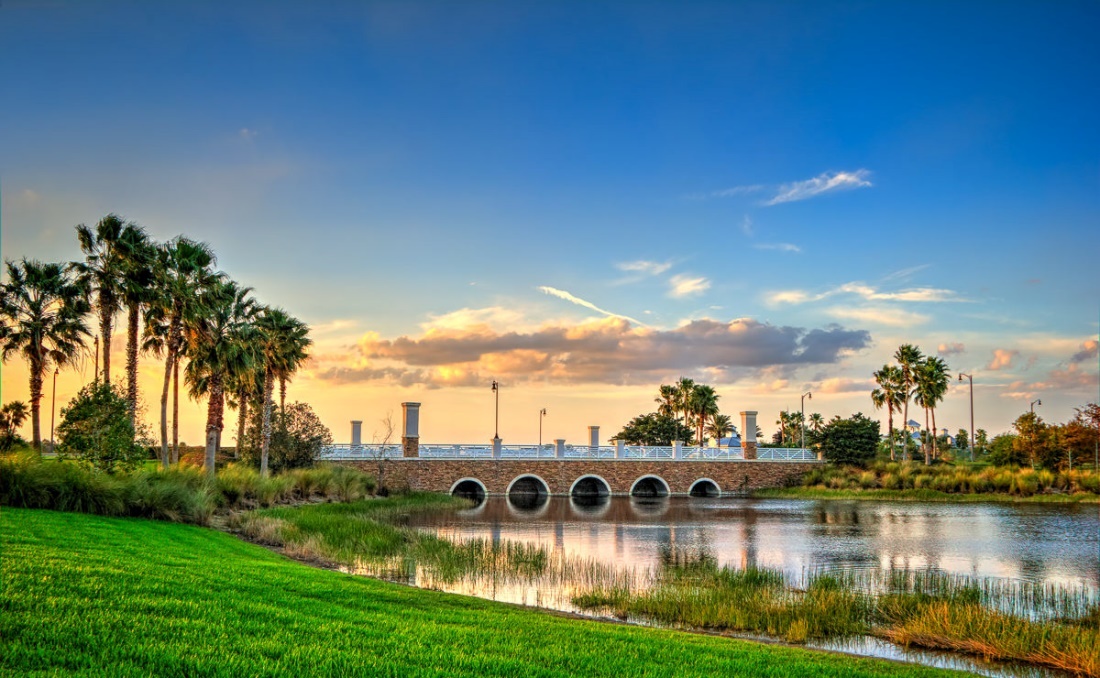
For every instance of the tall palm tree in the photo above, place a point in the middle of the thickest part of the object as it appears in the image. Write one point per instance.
(217, 345)
(284, 339)
(183, 268)
(703, 404)
(817, 422)
(101, 272)
(42, 312)
(246, 387)
(138, 257)
(720, 426)
(908, 357)
(889, 394)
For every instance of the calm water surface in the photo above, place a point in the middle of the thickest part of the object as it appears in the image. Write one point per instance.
(1040, 543)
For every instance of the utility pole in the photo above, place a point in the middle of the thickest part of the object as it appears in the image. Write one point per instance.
(972, 438)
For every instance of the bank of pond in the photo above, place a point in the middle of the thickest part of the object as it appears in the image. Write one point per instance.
(329, 517)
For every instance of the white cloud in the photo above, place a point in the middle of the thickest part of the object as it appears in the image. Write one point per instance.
(746, 226)
(683, 286)
(736, 190)
(644, 267)
(562, 294)
(466, 318)
(778, 246)
(951, 349)
(827, 182)
(905, 272)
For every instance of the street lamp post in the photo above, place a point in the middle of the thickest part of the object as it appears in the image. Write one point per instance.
(802, 424)
(496, 394)
(1034, 403)
(542, 413)
(971, 378)
(53, 407)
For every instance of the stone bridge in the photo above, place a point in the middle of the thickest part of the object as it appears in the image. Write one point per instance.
(589, 470)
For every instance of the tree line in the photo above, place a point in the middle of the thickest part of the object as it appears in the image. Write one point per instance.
(231, 348)
(685, 411)
(922, 379)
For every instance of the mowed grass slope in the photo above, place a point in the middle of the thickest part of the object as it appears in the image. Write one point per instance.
(92, 595)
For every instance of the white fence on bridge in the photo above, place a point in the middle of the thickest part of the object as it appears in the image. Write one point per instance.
(346, 452)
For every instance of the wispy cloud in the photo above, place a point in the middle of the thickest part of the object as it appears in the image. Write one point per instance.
(905, 273)
(644, 267)
(866, 292)
(1002, 359)
(684, 286)
(827, 182)
(778, 246)
(880, 315)
(736, 190)
(248, 134)
(746, 226)
(844, 385)
(562, 294)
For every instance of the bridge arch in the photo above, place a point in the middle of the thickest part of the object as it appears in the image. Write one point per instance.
(528, 483)
(471, 488)
(590, 485)
(705, 487)
(649, 486)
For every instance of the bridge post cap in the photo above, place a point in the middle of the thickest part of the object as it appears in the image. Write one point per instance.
(357, 421)
(410, 404)
(749, 412)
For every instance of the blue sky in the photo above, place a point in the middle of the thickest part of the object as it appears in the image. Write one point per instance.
(437, 187)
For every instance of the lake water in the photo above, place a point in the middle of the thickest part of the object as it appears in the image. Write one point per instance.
(1048, 544)
(1039, 543)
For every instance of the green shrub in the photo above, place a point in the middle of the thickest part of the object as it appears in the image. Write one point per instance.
(96, 429)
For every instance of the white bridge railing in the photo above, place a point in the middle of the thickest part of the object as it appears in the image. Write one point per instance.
(346, 452)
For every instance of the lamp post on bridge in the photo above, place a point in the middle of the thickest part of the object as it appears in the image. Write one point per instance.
(802, 423)
(542, 413)
(971, 378)
(496, 395)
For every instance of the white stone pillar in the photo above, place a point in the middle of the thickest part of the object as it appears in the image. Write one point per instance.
(559, 448)
(748, 434)
(410, 429)
(620, 449)
(594, 437)
(356, 433)
(496, 447)
(677, 449)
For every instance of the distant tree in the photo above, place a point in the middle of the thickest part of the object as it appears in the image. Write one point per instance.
(703, 404)
(932, 381)
(720, 426)
(850, 441)
(1031, 441)
(908, 357)
(101, 273)
(962, 439)
(296, 441)
(95, 428)
(654, 429)
(666, 400)
(12, 416)
(41, 319)
(981, 441)
(1003, 451)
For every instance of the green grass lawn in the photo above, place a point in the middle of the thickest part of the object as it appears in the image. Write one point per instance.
(90, 595)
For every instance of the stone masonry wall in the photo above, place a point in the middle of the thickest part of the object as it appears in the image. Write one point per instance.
(440, 475)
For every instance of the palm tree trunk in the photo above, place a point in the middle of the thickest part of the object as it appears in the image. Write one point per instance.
(164, 410)
(890, 425)
(265, 445)
(106, 320)
(927, 449)
(213, 425)
(282, 397)
(242, 417)
(176, 411)
(37, 369)
(132, 362)
(935, 442)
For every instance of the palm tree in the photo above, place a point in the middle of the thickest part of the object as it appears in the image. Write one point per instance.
(683, 390)
(183, 268)
(217, 346)
(890, 393)
(720, 426)
(246, 387)
(908, 357)
(101, 272)
(817, 422)
(42, 308)
(935, 373)
(703, 404)
(283, 339)
(138, 258)
(666, 401)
